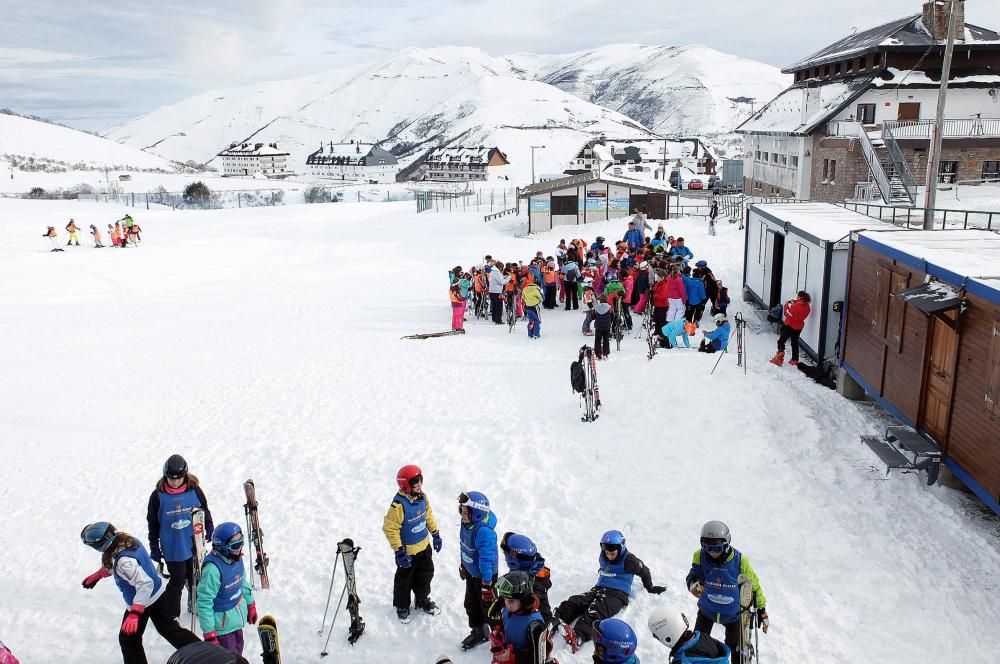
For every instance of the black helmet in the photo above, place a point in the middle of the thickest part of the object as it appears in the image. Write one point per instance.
(175, 467)
(515, 585)
(98, 535)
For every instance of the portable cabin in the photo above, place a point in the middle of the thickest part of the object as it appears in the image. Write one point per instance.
(792, 247)
(922, 337)
(588, 197)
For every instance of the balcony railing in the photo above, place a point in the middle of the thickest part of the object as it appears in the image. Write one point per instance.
(974, 127)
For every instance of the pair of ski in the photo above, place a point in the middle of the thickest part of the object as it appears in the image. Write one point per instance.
(346, 554)
(433, 335)
(591, 396)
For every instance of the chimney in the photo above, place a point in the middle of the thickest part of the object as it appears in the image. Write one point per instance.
(935, 19)
(258, 146)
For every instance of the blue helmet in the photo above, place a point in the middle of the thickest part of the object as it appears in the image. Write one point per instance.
(519, 547)
(614, 640)
(227, 539)
(98, 535)
(613, 537)
(478, 504)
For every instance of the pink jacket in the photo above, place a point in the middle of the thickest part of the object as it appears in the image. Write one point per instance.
(675, 288)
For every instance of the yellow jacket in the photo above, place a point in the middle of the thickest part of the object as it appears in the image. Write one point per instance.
(393, 524)
(532, 295)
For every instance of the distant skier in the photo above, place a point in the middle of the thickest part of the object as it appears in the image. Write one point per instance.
(603, 317)
(715, 569)
(478, 567)
(457, 307)
(411, 530)
(717, 339)
(73, 229)
(615, 642)
(794, 313)
(687, 645)
(225, 596)
(721, 301)
(171, 533)
(96, 235)
(713, 212)
(519, 624)
(53, 237)
(617, 569)
(497, 281)
(142, 589)
(532, 297)
(521, 555)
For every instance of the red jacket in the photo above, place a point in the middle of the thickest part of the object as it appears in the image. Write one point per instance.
(675, 288)
(661, 293)
(795, 313)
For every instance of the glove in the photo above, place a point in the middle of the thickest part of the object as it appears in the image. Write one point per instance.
(131, 623)
(696, 589)
(252, 614)
(155, 553)
(461, 572)
(656, 590)
(92, 580)
(488, 595)
(212, 637)
(762, 619)
(436, 541)
(403, 558)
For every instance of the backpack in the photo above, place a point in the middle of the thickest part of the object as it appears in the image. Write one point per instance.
(572, 275)
(577, 377)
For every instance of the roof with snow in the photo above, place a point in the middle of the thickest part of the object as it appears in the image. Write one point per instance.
(784, 114)
(587, 178)
(648, 149)
(351, 154)
(967, 253)
(464, 155)
(253, 150)
(904, 34)
(821, 221)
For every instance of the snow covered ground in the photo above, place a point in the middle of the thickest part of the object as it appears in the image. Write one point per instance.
(265, 343)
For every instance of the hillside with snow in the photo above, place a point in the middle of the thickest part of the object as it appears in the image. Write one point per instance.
(56, 146)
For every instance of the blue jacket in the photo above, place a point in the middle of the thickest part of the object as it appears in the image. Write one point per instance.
(675, 329)
(685, 653)
(479, 548)
(516, 627)
(695, 290)
(571, 271)
(683, 252)
(719, 336)
(633, 238)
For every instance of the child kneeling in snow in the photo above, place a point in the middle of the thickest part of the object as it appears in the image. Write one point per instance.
(675, 331)
(718, 338)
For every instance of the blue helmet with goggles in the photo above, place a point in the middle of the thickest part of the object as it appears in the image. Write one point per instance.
(227, 539)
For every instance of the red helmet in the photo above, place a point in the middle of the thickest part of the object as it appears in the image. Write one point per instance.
(405, 477)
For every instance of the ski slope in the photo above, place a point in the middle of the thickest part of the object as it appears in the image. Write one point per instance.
(265, 343)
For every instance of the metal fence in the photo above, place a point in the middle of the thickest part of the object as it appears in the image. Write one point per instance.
(465, 200)
(241, 198)
(912, 217)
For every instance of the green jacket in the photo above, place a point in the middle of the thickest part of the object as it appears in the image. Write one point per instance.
(232, 620)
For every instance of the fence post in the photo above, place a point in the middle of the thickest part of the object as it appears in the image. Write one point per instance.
(966, 226)
(239, 200)
(989, 222)
(944, 221)
(504, 199)
(147, 200)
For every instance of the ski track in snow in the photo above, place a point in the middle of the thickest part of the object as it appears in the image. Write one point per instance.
(265, 343)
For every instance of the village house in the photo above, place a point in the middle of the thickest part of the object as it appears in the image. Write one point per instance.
(642, 155)
(353, 161)
(856, 122)
(464, 164)
(249, 159)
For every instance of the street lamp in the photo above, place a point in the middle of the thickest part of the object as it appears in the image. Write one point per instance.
(533, 148)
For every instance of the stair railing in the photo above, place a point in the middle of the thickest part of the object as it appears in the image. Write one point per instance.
(900, 163)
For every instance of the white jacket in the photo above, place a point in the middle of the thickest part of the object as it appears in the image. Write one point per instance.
(497, 281)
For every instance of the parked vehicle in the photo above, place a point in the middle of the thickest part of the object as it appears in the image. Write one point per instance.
(696, 184)
(715, 183)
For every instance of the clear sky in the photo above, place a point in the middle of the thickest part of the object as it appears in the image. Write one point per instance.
(96, 64)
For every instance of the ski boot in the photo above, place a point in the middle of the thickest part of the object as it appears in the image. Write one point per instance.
(778, 359)
(793, 363)
(403, 615)
(572, 640)
(428, 606)
(475, 638)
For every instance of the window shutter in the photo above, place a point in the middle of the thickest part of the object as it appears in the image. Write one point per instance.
(992, 396)
(879, 304)
(897, 310)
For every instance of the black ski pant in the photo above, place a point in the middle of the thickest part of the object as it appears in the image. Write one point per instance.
(181, 577)
(627, 318)
(602, 343)
(659, 319)
(704, 624)
(416, 579)
(164, 623)
(475, 608)
(789, 334)
(572, 295)
(694, 313)
(551, 291)
(594, 605)
(496, 307)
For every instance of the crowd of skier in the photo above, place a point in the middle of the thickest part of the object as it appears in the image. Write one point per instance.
(123, 233)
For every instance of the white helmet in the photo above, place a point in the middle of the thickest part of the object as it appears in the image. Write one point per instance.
(643, 265)
(588, 281)
(719, 318)
(668, 625)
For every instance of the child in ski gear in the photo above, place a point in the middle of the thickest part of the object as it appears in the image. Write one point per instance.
(615, 291)
(225, 597)
(721, 301)
(521, 555)
(571, 274)
(589, 301)
(116, 234)
(694, 289)
(680, 250)
(532, 297)
(617, 568)
(519, 624)
(142, 589)
(478, 568)
(717, 339)
(795, 313)
(633, 236)
(171, 533)
(687, 646)
(411, 530)
(457, 307)
(640, 292)
(204, 653)
(676, 295)
(96, 235)
(675, 332)
(715, 569)
(602, 327)
(72, 228)
(53, 238)
(615, 642)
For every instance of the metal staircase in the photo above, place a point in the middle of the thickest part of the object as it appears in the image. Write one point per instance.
(896, 185)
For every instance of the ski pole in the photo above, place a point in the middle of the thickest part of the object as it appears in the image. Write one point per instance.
(246, 511)
(329, 593)
(724, 351)
(333, 622)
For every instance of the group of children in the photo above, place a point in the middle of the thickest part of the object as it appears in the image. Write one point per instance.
(513, 612)
(152, 581)
(612, 282)
(123, 233)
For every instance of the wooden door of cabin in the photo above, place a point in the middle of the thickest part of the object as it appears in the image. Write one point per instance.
(638, 202)
(657, 204)
(908, 111)
(939, 375)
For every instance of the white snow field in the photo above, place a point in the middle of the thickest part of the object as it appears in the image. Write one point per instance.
(265, 343)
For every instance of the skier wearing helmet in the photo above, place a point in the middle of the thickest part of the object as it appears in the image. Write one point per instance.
(617, 567)
(521, 555)
(171, 533)
(717, 339)
(519, 624)
(615, 642)
(225, 596)
(142, 589)
(410, 527)
(687, 645)
(478, 568)
(713, 579)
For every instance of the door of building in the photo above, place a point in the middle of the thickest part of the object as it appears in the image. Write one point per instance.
(637, 202)
(657, 204)
(939, 374)
(908, 111)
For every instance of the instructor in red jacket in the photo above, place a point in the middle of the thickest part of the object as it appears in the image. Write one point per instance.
(794, 316)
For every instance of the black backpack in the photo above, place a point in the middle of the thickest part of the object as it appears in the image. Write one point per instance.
(578, 377)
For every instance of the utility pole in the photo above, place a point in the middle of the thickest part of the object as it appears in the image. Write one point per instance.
(533, 148)
(664, 160)
(937, 133)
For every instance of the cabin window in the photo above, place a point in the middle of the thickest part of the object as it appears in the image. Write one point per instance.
(947, 172)
(992, 397)
(800, 277)
(766, 156)
(889, 312)
(775, 157)
(794, 161)
(564, 205)
(836, 69)
(991, 171)
(760, 244)
(866, 114)
(784, 160)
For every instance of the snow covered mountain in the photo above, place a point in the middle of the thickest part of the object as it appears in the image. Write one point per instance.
(55, 146)
(674, 90)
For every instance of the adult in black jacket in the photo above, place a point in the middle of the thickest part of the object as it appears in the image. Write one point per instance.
(603, 316)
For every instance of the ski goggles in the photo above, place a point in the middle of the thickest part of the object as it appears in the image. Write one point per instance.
(177, 476)
(234, 546)
(714, 546)
(611, 547)
(518, 555)
(465, 501)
